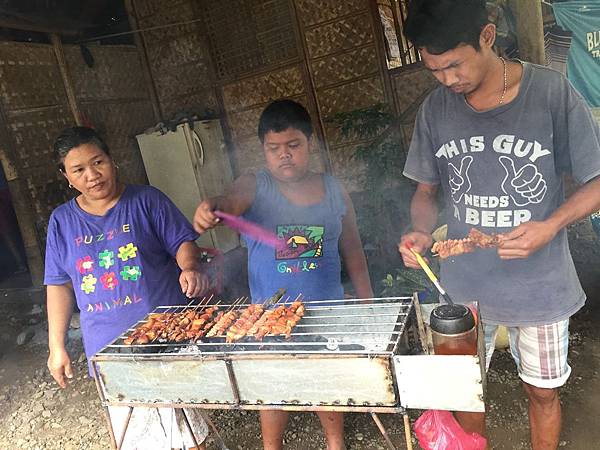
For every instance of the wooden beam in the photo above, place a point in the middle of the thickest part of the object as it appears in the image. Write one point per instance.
(66, 77)
(143, 54)
(530, 30)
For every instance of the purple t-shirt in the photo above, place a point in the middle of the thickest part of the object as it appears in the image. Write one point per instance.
(121, 264)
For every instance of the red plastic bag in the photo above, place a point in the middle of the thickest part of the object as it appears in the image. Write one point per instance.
(439, 430)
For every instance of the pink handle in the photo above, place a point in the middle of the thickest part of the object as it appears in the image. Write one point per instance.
(250, 229)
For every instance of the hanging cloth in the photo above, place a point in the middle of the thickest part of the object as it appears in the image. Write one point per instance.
(582, 18)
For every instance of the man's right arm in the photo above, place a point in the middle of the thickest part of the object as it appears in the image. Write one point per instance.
(236, 200)
(424, 216)
(60, 301)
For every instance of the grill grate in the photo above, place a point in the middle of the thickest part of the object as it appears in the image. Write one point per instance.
(367, 326)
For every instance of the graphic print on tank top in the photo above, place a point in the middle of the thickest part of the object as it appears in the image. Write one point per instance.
(302, 243)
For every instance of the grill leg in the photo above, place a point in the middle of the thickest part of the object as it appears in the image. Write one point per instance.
(212, 426)
(113, 441)
(383, 431)
(122, 439)
(407, 434)
(189, 427)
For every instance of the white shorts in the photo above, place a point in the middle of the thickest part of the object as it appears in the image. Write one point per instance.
(540, 352)
(155, 429)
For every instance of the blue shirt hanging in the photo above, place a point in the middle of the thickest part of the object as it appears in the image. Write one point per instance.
(582, 18)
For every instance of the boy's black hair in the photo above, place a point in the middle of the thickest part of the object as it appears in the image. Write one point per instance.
(442, 25)
(73, 137)
(280, 115)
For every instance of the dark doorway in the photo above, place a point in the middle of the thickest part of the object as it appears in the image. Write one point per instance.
(14, 272)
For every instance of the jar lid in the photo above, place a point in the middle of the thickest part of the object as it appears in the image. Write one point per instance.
(451, 319)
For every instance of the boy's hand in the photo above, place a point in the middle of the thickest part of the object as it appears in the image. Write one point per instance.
(204, 218)
(419, 242)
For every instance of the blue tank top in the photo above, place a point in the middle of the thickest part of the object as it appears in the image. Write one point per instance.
(310, 262)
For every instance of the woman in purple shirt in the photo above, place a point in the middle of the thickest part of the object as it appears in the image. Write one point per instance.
(119, 251)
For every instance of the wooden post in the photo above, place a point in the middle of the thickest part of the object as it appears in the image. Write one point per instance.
(530, 30)
(64, 72)
(138, 38)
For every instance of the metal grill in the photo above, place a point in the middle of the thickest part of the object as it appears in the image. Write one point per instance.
(333, 350)
(341, 326)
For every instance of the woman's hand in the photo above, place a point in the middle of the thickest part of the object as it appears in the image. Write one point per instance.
(420, 242)
(193, 283)
(59, 364)
(204, 218)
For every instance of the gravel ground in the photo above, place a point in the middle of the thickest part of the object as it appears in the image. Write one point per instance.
(35, 414)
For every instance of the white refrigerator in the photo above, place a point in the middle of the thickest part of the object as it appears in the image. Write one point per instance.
(189, 165)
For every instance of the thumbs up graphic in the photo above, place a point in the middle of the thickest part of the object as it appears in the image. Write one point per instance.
(526, 185)
(459, 179)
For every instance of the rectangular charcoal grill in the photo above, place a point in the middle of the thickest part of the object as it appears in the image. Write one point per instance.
(339, 354)
(343, 355)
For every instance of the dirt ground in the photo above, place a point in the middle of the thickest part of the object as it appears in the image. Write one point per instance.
(36, 414)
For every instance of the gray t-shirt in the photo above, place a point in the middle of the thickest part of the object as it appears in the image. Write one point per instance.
(500, 168)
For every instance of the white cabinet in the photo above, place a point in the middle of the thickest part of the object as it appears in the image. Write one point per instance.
(189, 165)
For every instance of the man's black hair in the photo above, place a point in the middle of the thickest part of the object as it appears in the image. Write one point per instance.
(283, 114)
(73, 137)
(442, 25)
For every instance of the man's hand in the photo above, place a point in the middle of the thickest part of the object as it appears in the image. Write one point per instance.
(59, 364)
(193, 283)
(204, 218)
(419, 242)
(525, 240)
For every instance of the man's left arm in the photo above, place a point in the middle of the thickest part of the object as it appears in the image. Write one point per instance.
(193, 282)
(529, 237)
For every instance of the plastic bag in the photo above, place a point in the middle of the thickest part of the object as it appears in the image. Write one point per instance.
(439, 430)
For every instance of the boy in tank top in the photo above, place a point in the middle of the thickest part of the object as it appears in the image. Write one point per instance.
(313, 214)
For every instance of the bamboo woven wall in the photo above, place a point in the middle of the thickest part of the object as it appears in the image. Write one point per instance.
(410, 87)
(34, 105)
(178, 57)
(327, 54)
(343, 61)
(112, 97)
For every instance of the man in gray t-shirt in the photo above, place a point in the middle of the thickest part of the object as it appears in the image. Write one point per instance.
(497, 138)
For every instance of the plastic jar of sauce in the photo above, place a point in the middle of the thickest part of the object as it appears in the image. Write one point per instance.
(453, 330)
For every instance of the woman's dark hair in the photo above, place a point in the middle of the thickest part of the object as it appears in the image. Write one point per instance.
(442, 25)
(73, 137)
(283, 114)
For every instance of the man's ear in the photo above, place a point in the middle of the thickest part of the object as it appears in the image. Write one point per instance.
(487, 37)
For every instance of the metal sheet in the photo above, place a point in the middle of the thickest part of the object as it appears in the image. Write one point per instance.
(153, 381)
(447, 382)
(301, 381)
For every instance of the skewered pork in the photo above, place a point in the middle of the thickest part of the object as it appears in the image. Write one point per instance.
(475, 239)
